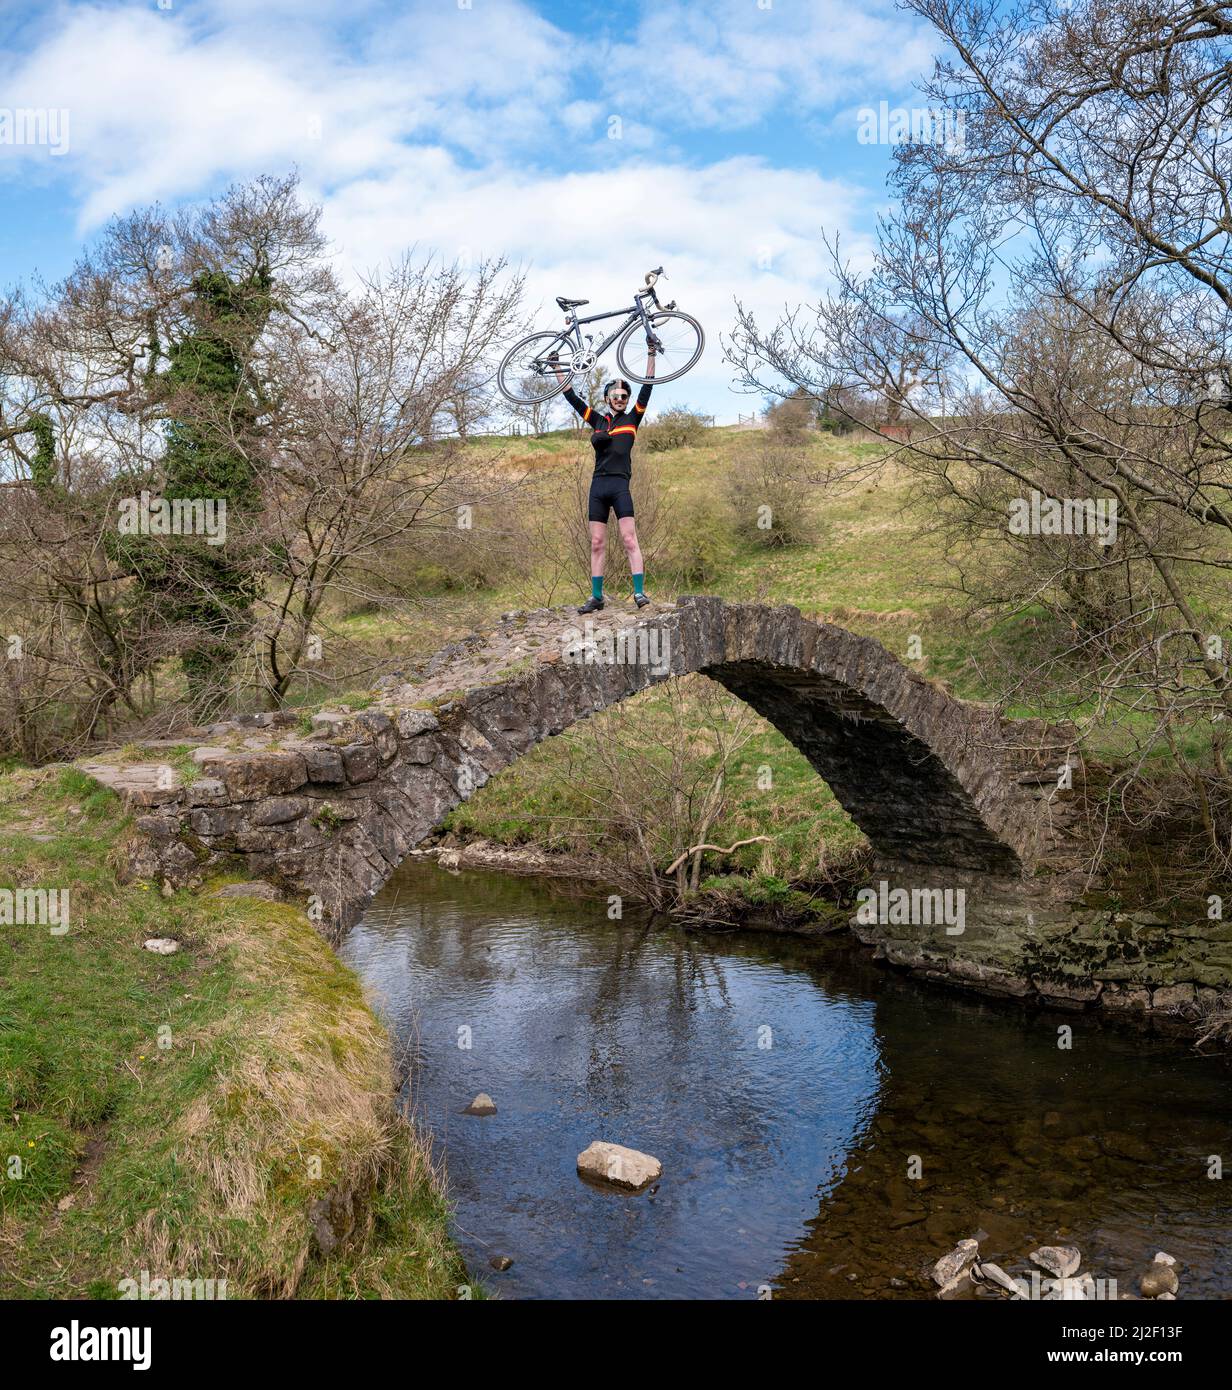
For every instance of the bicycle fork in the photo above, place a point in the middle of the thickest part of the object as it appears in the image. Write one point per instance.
(651, 336)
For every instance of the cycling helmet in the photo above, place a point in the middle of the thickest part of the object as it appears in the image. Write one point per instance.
(616, 381)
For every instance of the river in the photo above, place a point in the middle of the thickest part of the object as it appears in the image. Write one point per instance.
(792, 1090)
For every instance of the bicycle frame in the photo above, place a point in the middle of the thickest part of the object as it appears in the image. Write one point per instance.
(632, 315)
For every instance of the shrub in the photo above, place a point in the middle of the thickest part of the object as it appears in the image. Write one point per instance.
(770, 498)
(788, 419)
(696, 543)
(677, 428)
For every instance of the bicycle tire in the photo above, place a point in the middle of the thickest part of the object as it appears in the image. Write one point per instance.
(657, 318)
(547, 337)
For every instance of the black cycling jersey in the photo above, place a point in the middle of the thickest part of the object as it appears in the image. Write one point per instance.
(612, 435)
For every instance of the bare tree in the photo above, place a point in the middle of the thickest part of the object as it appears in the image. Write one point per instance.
(214, 352)
(538, 415)
(357, 471)
(1049, 306)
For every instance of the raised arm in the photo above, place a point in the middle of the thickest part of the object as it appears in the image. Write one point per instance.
(643, 396)
(570, 394)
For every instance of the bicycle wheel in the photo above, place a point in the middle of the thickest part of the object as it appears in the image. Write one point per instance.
(525, 376)
(683, 343)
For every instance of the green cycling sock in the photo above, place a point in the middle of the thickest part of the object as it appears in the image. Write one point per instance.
(596, 586)
(637, 583)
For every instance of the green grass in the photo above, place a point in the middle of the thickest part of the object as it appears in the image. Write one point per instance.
(180, 1114)
(772, 790)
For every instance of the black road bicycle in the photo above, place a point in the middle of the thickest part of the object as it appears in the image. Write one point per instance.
(543, 364)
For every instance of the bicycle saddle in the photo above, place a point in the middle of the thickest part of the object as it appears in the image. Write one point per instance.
(570, 303)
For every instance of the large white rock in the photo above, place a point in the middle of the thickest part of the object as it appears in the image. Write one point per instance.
(952, 1270)
(615, 1164)
(988, 1273)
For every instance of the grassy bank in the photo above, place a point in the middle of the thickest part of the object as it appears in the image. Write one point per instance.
(225, 1112)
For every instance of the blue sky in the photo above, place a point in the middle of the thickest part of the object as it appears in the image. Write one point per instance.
(584, 142)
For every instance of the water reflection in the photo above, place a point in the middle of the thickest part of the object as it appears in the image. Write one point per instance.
(785, 1086)
(748, 1078)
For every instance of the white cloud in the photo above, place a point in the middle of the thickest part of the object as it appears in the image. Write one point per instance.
(451, 128)
(740, 228)
(727, 65)
(162, 109)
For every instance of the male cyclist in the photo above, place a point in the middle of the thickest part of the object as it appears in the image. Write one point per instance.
(612, 434)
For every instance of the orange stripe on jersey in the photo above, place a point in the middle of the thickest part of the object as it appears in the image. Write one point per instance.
(625, 429)
(587, 415)
(640, 408)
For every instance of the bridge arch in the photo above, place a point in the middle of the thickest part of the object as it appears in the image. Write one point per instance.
(933, 781)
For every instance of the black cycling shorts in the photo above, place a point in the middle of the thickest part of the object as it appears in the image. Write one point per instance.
(608, 491)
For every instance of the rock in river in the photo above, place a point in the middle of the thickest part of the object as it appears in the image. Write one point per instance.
(1159, 1278)
(1059, 1260)
(615, 1164)
(481, 1105)
(951, 1270)
(988, 1273)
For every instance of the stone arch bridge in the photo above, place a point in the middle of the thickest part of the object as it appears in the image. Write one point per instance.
(950, 795)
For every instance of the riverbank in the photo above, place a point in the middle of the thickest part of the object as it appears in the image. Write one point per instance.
(223, 1112)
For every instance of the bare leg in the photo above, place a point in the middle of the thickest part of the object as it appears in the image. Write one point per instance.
(598, 547)
(628, 537)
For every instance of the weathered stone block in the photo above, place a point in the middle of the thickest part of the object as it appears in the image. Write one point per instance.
(207, 791)
(324, 765)
(277, 810)
(1064, 993)
(328, 723)
(161, 829)
(1172, 996)
(419, 751)
(263, 838)
(1124, 999)
(362, 762)
(213, 822)
(384, 736)
(413, 722)
(251, 776)
(152, 793)
(989, 978)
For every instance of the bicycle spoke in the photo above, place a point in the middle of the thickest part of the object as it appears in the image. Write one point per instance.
(679, 342)
(526, 374)
(682, 342)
